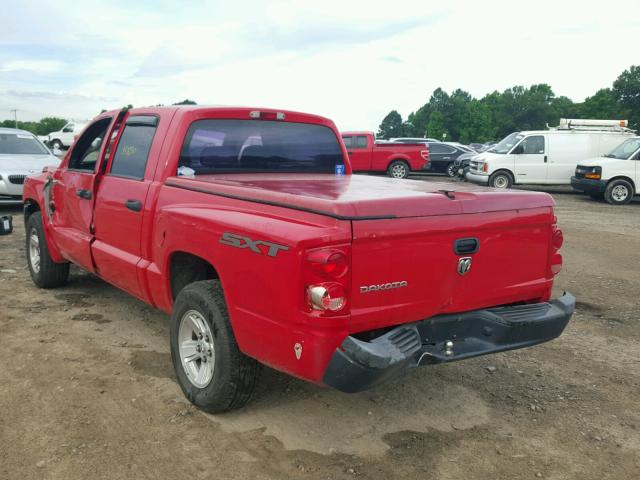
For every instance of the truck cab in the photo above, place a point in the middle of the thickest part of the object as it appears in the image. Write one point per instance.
(396, 159)
(614, 176)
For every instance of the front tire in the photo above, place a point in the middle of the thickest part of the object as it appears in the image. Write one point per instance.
(211, 371)
(45, 273)
(618, 192)
(501, 179)
(398, 169)
(451, 170)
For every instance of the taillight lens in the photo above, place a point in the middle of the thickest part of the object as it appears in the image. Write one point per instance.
(557, 238)
(327, 280)
(555, 259)
(332, 263)
(424, 154)
(326, 296)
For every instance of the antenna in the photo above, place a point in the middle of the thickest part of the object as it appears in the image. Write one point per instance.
(15, 116)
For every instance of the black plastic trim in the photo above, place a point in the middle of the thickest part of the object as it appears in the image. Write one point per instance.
(358, 365)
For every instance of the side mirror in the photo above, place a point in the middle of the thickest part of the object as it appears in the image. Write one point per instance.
(519, 150)
(57, 152)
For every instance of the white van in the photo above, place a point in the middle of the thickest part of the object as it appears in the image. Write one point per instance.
(614, 177)
(66, 135)
(547, 157)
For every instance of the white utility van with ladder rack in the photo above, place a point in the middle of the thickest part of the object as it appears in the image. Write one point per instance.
(546, 157)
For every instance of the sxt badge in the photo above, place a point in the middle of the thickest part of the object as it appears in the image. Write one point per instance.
(240, 241)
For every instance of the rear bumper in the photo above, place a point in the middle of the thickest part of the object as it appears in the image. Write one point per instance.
(358, 365)
(588, 186)
(477, 178)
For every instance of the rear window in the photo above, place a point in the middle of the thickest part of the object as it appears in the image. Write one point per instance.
(20, 144)
(239, 146)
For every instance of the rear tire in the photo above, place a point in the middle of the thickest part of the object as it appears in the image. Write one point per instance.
(618, 192)
(211, 371)
(45, 273)
(56, 144)
(398, 169)
(501, 179)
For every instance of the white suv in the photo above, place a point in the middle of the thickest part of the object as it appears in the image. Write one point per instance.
(614, 176)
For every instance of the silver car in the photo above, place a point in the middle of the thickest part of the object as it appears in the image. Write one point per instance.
(21, 154)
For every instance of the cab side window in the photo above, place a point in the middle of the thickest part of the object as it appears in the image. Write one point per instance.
(348, 141)
(86, 149)
(132, 152)
(361, 142)
(532, 145)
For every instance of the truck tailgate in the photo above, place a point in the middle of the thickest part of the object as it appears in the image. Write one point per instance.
(413, 268)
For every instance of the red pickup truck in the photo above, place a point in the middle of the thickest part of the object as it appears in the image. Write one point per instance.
(397, 159)
(247, 227)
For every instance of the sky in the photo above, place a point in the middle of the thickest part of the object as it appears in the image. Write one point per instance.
(352, 61)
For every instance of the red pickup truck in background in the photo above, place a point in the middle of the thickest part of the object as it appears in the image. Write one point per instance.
(247, 227)
(397, 159)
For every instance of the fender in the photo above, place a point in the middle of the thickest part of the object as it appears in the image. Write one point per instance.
(33, 194)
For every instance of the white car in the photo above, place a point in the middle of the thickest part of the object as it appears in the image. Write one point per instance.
(546, 157)
(64, 137)
(21, 154)
(614, 177)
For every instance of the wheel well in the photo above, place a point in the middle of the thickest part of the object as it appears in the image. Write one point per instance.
(403, 160)
(30, 207)
(504, 170)
(627, 179)
(185, 268)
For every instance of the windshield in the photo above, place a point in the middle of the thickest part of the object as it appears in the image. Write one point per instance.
(507, 143)
(625, 149)
(246, 146)
(20, 144)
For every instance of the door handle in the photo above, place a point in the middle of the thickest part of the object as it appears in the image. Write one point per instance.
(545, 159)
(85, 194)
(134, 205)
(349, 153)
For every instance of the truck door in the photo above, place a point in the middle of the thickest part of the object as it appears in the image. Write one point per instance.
(530, 160)
(71, 197)
(120, 205)
(360, 152)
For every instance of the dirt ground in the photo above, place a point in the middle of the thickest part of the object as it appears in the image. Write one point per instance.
(87, 389)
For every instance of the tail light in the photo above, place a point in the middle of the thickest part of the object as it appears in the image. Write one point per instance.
(424, 154)
(326, 280)
(555, 259)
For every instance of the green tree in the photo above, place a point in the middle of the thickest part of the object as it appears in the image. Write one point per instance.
(47, 125)
(391, 126)
(435, 126)
(186, 101)
(626, 89)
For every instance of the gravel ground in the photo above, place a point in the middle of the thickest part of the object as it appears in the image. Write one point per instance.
(87, 389)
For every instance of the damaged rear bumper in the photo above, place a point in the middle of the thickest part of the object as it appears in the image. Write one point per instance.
(358, 365)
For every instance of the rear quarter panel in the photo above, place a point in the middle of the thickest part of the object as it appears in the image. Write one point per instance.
(264, 294)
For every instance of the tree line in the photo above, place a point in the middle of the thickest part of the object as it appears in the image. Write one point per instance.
(460, 117)
(44, 126)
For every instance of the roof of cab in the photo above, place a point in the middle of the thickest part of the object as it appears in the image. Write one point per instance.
(218, 108)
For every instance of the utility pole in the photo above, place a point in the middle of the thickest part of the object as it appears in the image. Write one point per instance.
(15, 116)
